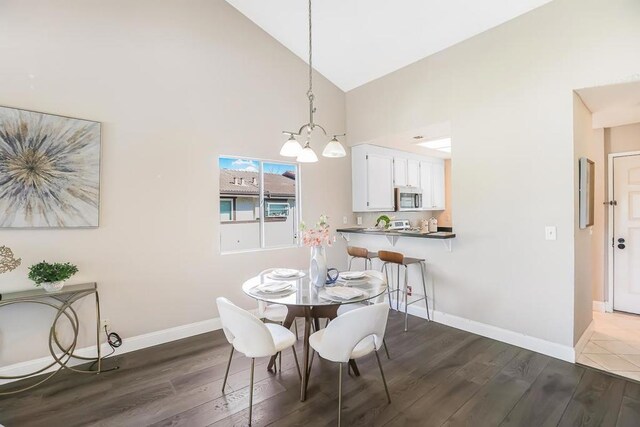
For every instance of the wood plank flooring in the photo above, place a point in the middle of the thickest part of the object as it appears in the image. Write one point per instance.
(437, 376)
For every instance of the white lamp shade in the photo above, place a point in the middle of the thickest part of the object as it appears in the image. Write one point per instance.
(291, 148)
(334, 149)
(307, 155)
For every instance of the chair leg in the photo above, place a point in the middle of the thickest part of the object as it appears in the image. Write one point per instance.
(386, 350)
(295, 357)
(384, 381)
(386, 276)
(251, 390)
(280, 362)
(424, 288)
(406, 298)
(350, 260)
(295, 325)
(398, 288)
(226, 374)
(339, 392)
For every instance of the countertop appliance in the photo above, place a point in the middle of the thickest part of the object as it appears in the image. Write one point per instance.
(399, 224)
(408, 199)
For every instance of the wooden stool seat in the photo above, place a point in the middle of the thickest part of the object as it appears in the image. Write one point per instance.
(362, 253)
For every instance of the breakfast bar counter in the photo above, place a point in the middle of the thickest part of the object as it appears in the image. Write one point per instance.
(399, 233)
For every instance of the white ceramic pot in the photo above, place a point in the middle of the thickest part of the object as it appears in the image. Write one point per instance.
(53, 286)
(318, 266)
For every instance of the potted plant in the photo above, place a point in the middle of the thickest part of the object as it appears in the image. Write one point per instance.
(51, 276)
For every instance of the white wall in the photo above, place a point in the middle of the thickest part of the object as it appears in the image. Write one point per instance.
(175, 85)
(508, 96)
(589, 243)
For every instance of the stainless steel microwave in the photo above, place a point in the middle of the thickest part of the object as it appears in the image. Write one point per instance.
(408, 199)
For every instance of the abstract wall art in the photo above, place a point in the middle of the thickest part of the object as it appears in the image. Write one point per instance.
(49, 170)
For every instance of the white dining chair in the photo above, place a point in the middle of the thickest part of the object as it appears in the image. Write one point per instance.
(351, 336)
(250, 336)
(345, 308)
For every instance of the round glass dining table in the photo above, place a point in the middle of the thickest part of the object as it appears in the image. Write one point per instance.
(312, 303)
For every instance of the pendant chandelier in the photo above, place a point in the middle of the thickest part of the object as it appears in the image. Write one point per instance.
(292, 147)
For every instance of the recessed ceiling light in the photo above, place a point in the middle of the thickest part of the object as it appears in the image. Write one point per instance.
(443, 144)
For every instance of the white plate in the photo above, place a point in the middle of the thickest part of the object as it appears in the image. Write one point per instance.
(344, 293)
(352, 275)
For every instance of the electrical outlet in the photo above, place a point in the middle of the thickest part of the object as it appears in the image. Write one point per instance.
(359, 220)
(550, 232)
(105, 323)
(345, 220)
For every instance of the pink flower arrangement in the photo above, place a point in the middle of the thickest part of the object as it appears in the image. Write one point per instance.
(319, 235)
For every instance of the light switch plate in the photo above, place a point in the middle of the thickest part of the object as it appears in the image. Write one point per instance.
(359, 220)
(550, 232)
(345, 220)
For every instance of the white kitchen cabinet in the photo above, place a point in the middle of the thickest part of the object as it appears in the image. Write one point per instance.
(413, 173)
(432, 184)
(377, 170)
(400, 172)
(372, 179)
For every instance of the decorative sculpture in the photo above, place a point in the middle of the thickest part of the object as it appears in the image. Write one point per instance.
(7, 261)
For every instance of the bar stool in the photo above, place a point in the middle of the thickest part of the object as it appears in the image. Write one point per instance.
(363, 253)
(399, 260)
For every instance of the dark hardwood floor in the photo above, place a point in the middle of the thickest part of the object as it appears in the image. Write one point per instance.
(437, 376)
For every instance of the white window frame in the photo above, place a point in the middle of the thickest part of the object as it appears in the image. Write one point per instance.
(298, 210)
(287, 204)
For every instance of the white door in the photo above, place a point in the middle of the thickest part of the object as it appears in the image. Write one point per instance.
(400, 172)
(413, 173)
(380, 182)
(626, 238)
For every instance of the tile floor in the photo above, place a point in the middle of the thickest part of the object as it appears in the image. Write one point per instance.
(614, 345)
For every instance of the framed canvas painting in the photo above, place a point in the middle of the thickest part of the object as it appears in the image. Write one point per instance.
(49, 170)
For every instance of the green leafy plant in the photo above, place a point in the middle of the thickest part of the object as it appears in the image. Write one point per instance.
(44, 272)
(384, 221)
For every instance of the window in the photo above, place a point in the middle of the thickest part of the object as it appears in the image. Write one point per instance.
(277, 210)
(258, 204)
(226, 209)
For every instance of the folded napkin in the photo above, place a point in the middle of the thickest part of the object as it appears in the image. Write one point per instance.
(344, 292)
(352, 275)
(274, 286)
(285, 272)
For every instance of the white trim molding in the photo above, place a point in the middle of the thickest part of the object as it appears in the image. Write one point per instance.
(128, 345)
(518, 339)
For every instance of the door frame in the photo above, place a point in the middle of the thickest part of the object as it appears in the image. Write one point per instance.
(608, 305)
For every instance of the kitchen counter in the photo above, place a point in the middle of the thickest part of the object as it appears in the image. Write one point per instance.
(441, 235)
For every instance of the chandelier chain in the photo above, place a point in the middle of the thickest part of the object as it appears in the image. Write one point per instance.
(310, 93)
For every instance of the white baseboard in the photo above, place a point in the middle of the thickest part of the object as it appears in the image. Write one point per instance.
(600, 306)
(584, 339)
(160, 337)
(128, 345)
(538, 345)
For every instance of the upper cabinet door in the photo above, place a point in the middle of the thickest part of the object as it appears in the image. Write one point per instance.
(426, 183)
(400, 172)
(379, 182)
(413, 173)
(438, 186)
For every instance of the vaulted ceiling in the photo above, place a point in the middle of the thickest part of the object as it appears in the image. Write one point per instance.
(357, 41)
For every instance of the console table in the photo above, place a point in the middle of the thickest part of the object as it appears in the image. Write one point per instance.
(61, 301)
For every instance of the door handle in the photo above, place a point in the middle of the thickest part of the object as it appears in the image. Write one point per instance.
(621, 246)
